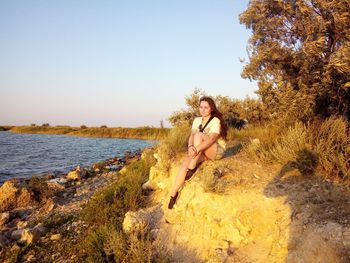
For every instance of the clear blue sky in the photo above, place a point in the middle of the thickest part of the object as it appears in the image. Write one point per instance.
(119, 63)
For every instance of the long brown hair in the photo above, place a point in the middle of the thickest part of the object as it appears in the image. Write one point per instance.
(216, 113)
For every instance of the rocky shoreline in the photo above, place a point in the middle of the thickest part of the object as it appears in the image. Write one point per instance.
(46, 208)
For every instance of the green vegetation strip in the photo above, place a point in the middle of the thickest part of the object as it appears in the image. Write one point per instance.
(149, 133)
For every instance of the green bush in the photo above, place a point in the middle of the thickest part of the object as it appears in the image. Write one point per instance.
(111, 203)
(93, 245)
(57, 220)
(40, 188)
(107, 244)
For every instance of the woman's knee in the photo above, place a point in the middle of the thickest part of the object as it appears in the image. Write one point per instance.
(198, 135)
(186, 160)
(198, 138)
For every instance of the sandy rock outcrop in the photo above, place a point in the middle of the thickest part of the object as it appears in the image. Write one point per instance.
(143, 219)
(245, 222)
(14, 194)
(156, 175)
(4, 218)
(74, 175)
(28, 235)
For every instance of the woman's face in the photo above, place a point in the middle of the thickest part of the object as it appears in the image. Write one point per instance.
(204, 109)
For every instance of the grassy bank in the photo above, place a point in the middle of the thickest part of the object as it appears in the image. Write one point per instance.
(105, 240)
(148, 133)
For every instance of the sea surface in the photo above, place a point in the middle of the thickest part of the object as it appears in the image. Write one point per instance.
(26, 155)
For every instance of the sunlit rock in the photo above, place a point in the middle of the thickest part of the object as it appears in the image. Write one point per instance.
(143, 219)
(14, 194)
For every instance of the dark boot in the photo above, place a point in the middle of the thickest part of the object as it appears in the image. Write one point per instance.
(172, 201)
(190, 173)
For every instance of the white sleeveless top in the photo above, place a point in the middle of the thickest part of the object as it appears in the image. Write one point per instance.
(214, 126)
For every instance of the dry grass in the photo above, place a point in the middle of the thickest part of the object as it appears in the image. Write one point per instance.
(134, 247)
(305, 147)
(332, 142)
(282, 148)
(265, 134)
(108, 244)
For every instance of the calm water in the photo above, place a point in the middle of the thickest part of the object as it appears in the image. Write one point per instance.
(24, 155)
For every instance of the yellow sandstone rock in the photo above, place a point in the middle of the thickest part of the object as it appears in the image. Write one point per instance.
(73, 175)
(240, 224)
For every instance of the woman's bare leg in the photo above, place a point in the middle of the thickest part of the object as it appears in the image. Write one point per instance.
(197, 140)
(210, 153)
(190, 163)
(180, 178)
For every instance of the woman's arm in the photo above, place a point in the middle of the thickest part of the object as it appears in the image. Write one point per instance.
(206, 144)
(191, 149)
(190, 140)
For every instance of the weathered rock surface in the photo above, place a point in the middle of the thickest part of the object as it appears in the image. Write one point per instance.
(13, 194)
(143, 219)
(4, 218)
(234, 210)
(55, 237)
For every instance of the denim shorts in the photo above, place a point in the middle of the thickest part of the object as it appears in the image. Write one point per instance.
(219, 152)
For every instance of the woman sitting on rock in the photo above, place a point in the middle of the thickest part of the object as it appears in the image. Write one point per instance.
(205, 143)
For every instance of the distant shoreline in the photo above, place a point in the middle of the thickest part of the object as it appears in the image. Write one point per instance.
(145, 133)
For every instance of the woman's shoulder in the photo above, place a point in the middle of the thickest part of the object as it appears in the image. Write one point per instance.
(197, 119)
(196, 122)
(216, 120)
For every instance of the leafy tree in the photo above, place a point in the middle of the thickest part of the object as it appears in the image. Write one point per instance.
(300, 55)
(186, 116)
(230, 109)
(234, 111)
(253, 110)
